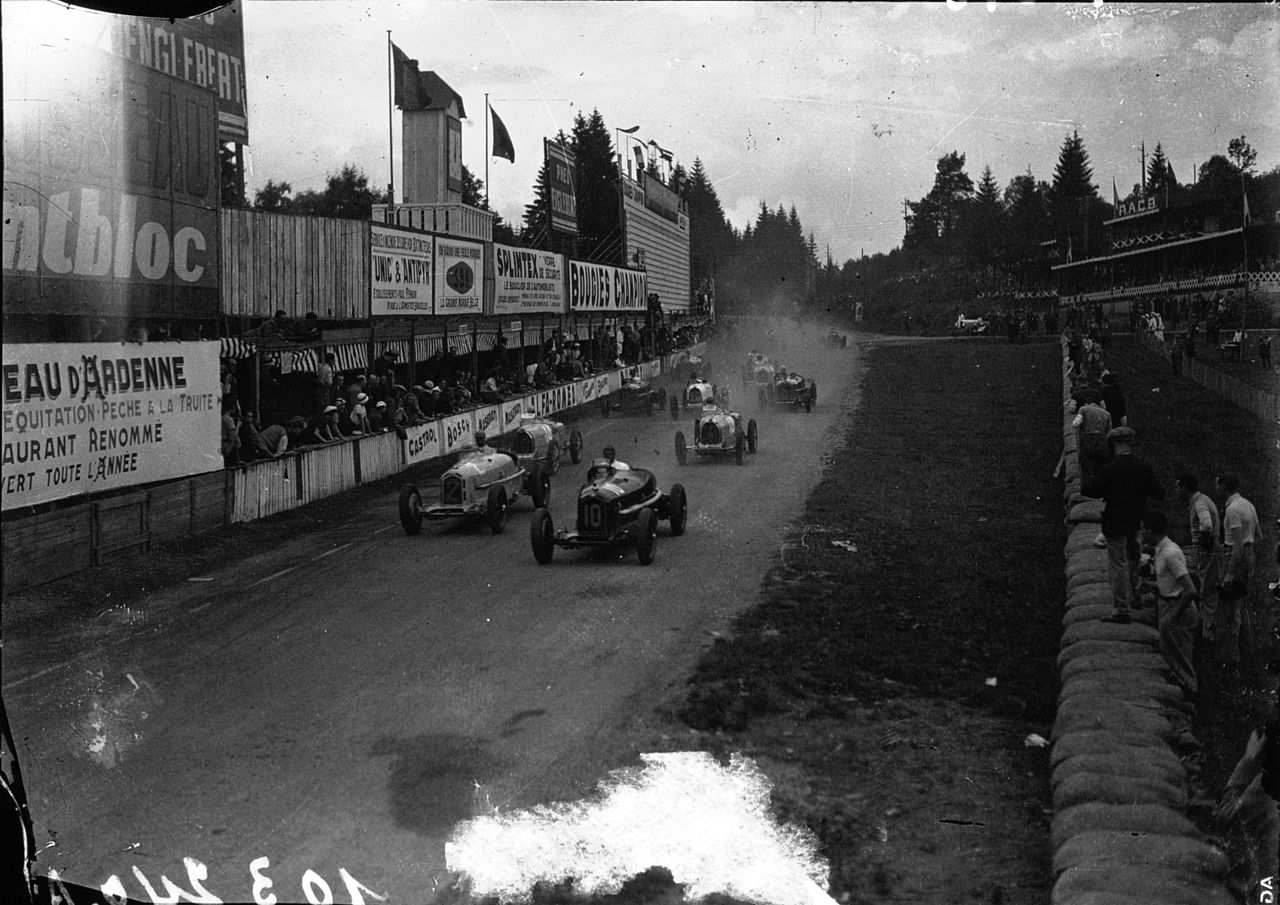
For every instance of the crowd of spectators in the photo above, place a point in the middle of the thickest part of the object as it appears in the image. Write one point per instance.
(331, 405)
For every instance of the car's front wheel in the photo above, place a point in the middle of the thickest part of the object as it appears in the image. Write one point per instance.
(540, 489)
(753, 437)
(542, 536)
(646, 535)
(410, 509)
(575, 446)
(496, 509)
(553, 457)
(682, 454)
(739, 447)
(679, 509)
(675, 408)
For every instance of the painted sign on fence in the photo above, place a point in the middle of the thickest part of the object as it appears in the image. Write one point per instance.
(511, 412)
(399, 272)
(489, 420)
(457, 432)
(422, 442)
(459, 280)
(89, 417)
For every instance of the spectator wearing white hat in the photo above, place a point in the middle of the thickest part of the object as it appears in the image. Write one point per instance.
(360, 415)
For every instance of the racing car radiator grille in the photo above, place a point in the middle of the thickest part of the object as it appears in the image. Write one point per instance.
(451, 490)
(594, 518)
(710, 433)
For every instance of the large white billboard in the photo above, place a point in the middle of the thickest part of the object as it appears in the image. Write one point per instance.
(527, 281)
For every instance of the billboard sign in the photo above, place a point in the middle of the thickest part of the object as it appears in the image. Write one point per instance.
(111, 187)
(459, 276)
(602, 288)
(206, 51)
(561, 172)
(87, 417)
(527, 281)
(400, 264)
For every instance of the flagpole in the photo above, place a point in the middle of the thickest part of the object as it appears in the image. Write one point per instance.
(391, 139)
(487, 149)
(1244, 240)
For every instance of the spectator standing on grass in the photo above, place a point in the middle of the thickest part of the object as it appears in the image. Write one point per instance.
(1202, 551)
(1113, 399)
(1092, 423)
(1177, 617)
(1125, 484)
(1241, 536)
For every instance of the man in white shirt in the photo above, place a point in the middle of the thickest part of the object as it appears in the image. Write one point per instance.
(611, 456)
(1202, 552)
(1176, 613)
(1241, 535)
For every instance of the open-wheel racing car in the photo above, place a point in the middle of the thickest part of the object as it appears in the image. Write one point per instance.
(483, 483)
(837, 340)
(790, 389)
(697, 393)
(635, 396)
(718, 432)
(540, 442)
(615, 507)
(759, 373)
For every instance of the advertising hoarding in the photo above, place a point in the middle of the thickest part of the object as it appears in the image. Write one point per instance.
(111, 181)
(602, 288)
(205, 51)
(422, 442)
(457, 432)
(87, 417)
(459, 276)
(527, 281)
(561, 172)
(400, 272)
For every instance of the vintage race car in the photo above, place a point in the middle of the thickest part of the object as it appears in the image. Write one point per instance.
(792, 390)
(635, 396)
(688, 365)
(614, 507)
(837, 340)
(540, 442)
(694, 396)
(718, 432)
(480, 484)
(969, 325)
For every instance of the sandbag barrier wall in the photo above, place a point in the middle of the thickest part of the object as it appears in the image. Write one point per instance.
(1120, 831)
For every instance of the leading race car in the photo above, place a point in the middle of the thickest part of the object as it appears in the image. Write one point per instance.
(760, 373)
(538, 441)
(636, 395)
(483, 483)
(615, 506)
(718, 432)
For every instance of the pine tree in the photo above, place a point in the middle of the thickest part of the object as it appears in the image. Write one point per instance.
(1071, 198)
(711, 239)
(1158, 172)
(985, 227)
(596, 186)
(536, 213)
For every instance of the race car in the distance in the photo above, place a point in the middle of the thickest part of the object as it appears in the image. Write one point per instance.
(718, 432)
(790, 389)
(615, 507)
(697, 393)
(542, 441)
(482, 484)
(635, 396)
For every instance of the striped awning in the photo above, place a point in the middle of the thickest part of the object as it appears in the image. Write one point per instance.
(425, 346)
(351, 356)
(236, 348)
(400, 346)
(306, 360)
(486, 338)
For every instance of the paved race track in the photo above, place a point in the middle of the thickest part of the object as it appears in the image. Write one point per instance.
(342, 699)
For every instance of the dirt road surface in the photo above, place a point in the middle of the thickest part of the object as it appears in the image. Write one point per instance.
(340, 695)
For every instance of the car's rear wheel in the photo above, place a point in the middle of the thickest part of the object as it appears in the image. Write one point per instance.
(542, 536)
(675, 407)
(739, 447)
(662, 397)
(410, 509)
(682, 454)
(752, 436)
(540, 489)
(575, 446)
(553, 457)
(646, 535)
(495, 509)
(679, 509)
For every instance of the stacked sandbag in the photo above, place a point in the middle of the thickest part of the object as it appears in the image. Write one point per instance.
(1120, 831)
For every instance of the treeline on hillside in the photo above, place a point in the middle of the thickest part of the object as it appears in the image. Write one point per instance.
(964, 239)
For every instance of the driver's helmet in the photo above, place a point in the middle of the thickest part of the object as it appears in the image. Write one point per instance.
(480, 439)
(693, 377)
(610, 454)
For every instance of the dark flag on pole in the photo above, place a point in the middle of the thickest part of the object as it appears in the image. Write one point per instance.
(502, 146)
(408, 85)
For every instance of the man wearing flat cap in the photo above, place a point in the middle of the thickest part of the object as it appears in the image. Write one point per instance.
(1125, 484)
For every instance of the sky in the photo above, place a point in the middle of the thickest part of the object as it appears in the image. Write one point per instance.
(838, 109)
